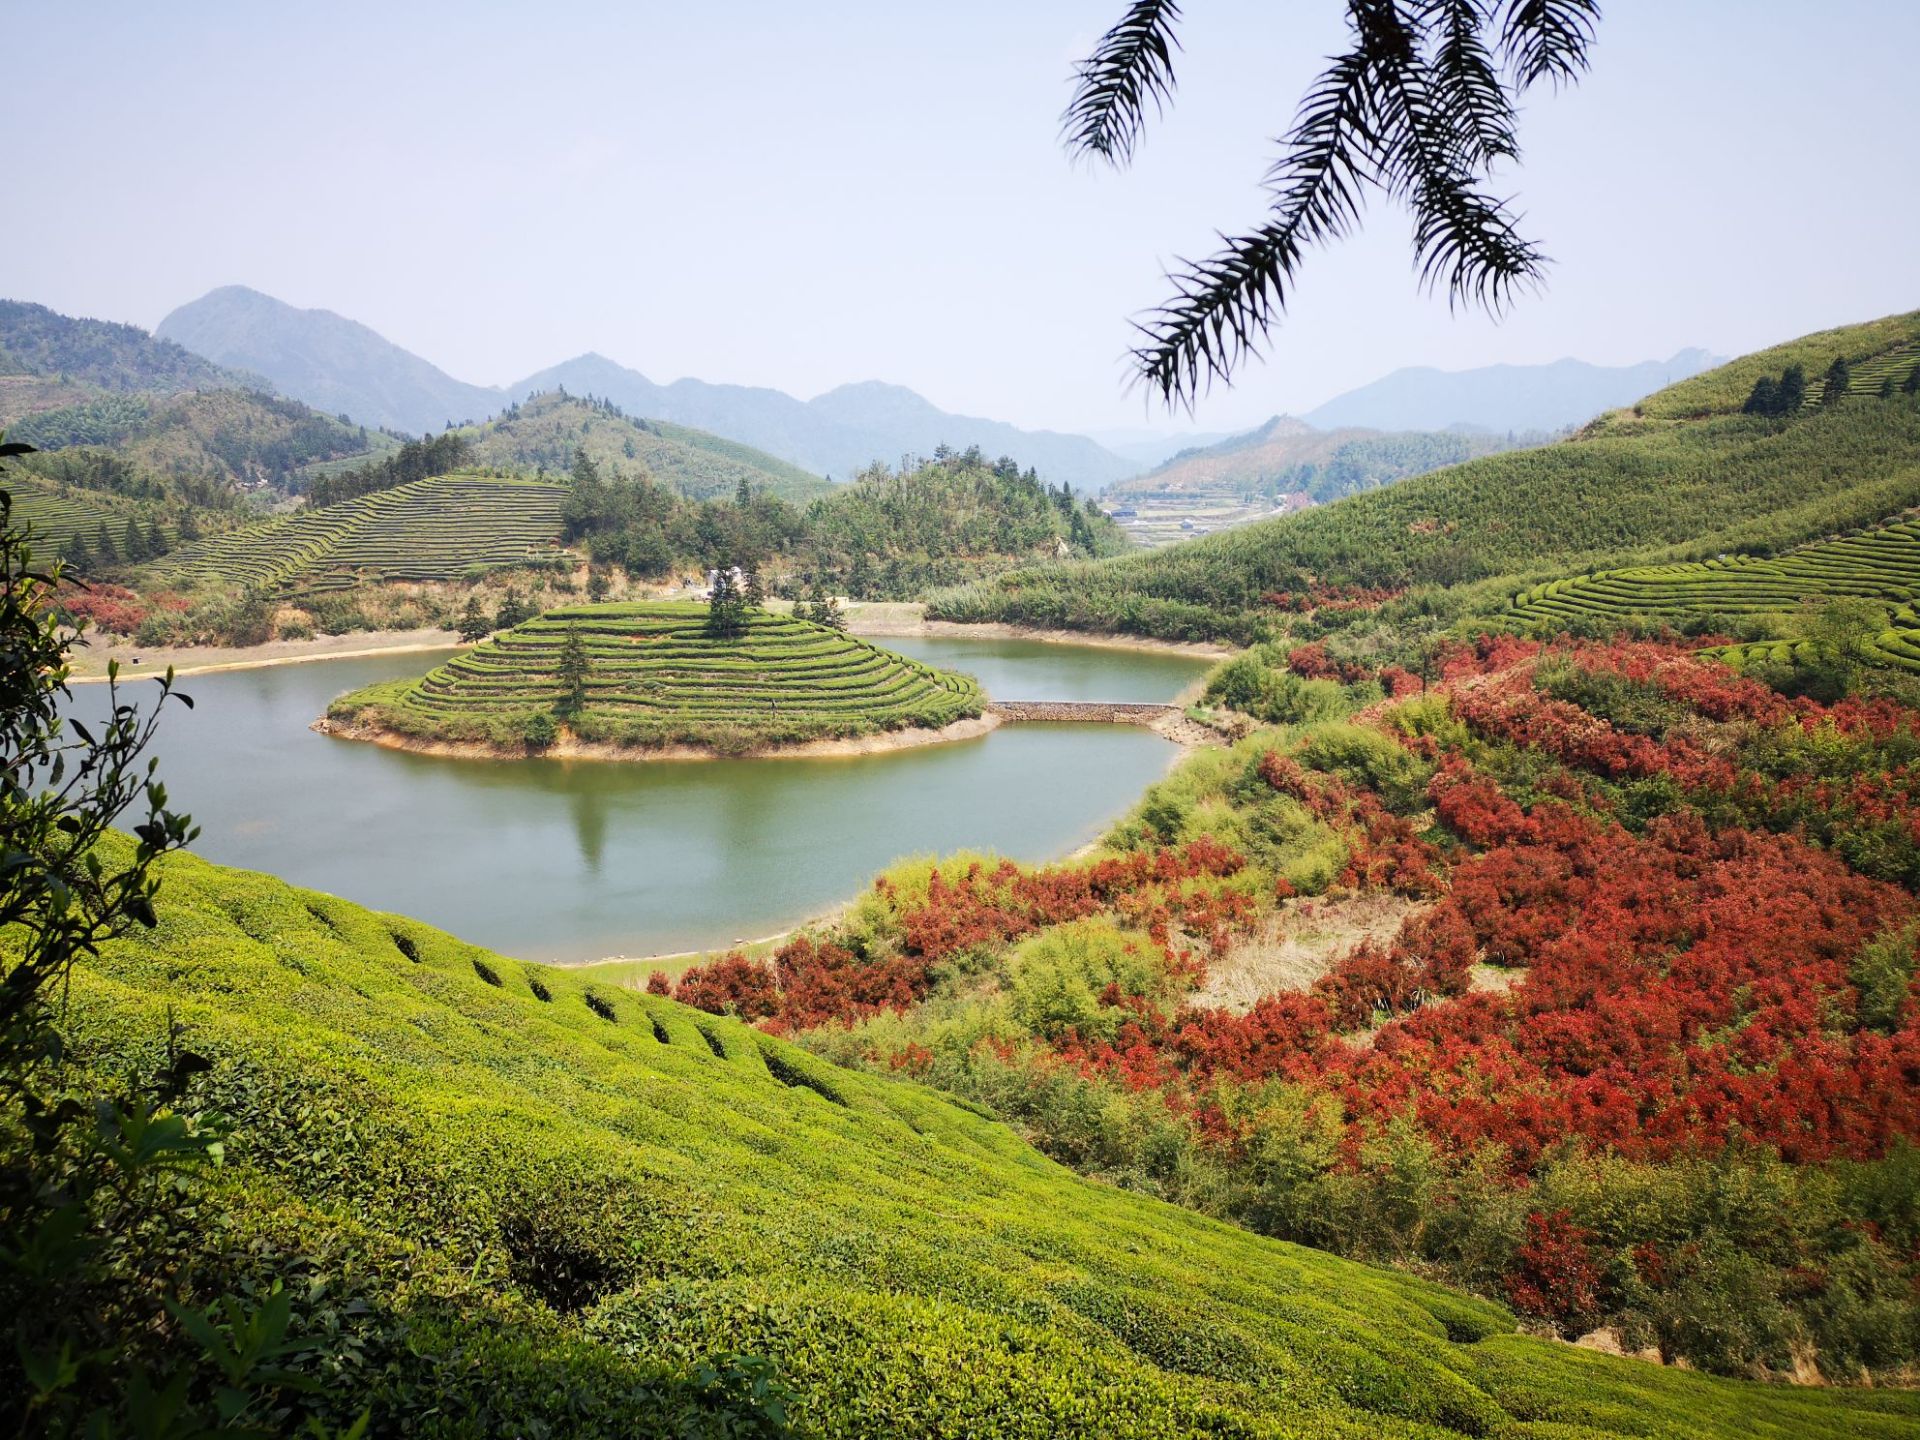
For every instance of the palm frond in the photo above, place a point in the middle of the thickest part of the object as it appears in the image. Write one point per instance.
(1226, 304)
(1464, 70)
(1130, 68)
(1548, 39)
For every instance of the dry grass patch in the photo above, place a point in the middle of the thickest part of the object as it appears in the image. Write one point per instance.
(1299, 944)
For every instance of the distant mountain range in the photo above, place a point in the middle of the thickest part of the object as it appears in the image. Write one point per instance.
(341, 366)
(1503, 397)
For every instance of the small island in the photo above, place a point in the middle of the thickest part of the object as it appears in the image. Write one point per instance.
(665, 679)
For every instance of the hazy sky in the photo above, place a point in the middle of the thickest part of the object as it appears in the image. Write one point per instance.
(803, 195)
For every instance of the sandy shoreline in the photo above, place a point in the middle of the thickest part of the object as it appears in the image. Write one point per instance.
(90, 662)
(567, 748)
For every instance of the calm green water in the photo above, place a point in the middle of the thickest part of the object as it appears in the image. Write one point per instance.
(575, 860)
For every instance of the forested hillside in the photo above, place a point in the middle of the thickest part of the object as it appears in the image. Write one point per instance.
(887, 535)
(201, 444)
(1685, 475)
(464, 1193)
(1286, 456)
(548, 430)
(123, 359)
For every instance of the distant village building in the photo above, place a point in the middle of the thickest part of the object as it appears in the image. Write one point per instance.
(735, 574)
(1293, 502)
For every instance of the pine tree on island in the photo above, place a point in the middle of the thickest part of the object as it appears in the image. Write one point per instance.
(514, 610)
(726, 603)
(573, 675)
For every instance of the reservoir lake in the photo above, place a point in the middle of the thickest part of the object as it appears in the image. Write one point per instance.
(568, 861)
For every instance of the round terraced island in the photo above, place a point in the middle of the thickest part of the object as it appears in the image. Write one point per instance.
(645, 680)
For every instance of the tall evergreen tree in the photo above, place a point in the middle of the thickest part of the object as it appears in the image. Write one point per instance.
(76, 557)
(827, 612)
(133, 544)
(103, 547)
(514, 610)
(1764, 398)
(189, 528)
(156, 541)
(473, 623)
(573, 675)
(1793, 390)
(754, 593)
(726, 605)
(1839, 378)
(1912, 383)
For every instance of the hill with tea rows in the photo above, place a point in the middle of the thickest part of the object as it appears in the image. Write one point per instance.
(512, 1198)
(655, 674)
(1770, 595)
(1682, 476)
(444, 528)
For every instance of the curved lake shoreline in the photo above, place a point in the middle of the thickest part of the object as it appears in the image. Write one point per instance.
(569, 748)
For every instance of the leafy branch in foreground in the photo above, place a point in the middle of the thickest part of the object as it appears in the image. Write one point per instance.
(1420, 106)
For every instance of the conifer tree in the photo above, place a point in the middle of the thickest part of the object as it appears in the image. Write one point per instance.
(755, 592)
(1839, 377)
(1793, 390)
(827, 612)
(473, 624)
(513, 611)
(133, 544)
(1765, 397)
(726, 606)
(156, 541)
(189, 529)
(103, 547)
(573, 675)
(76, 557)
(596, 584)
(1912, 384)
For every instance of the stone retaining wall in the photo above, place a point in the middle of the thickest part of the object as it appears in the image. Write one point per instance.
(1101, 712)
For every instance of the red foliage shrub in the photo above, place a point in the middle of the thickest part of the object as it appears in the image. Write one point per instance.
(1555, 1275)
(731, 985)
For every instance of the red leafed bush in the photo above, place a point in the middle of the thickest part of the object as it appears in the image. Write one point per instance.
(731, 985)
(1555, 1275)
(658, 984)
(113, 608)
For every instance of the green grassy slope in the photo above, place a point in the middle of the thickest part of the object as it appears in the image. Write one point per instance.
(532, 1198)
(1682, 477)
(434, 529)
(545, 431)
(655, 676)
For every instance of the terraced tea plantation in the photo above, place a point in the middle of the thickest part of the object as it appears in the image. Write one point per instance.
(1881, 566)
(653, 675)
(57, 518)
(437, 529)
